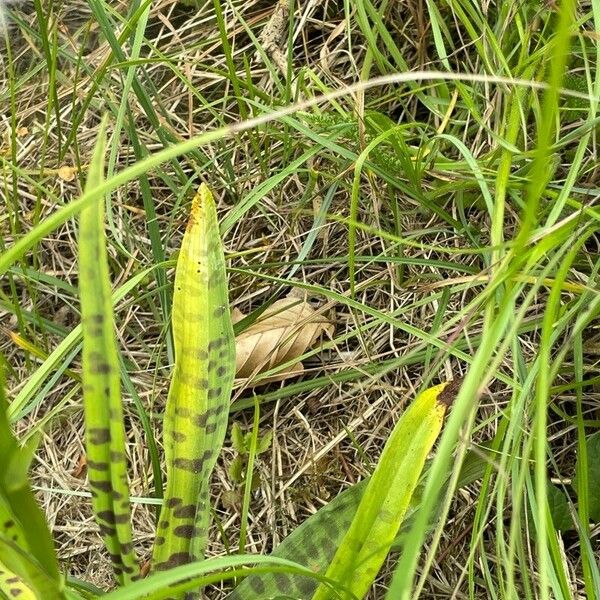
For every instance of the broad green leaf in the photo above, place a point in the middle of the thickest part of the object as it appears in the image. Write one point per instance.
(197, 408)
(593, 475)
(559, 508)
(389, 493)
(105, 434)
(26, 546)
(314, 543)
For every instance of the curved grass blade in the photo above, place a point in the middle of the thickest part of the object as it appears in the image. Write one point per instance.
(105, 435)
(198, 404)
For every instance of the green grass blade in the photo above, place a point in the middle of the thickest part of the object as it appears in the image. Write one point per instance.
(105, 435)
(198, 404)
(186, 577)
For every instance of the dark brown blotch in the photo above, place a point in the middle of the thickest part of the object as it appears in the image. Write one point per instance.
(449, 393)
(189, 464)
(258, 587)
(214, 392)
(122, 517)
(176, 559)
(100, 367)
(108, 516)
(216, 344)
(99, 435)
(98, 466)
(183, 411)
(201, 419)
(210, 428)
(116, 559)
(186, 531)
(107, 530)
(188, 511)
(306, 586)
(173, 502)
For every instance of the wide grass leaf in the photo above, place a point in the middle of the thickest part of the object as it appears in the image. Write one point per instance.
(388, 494)
(314, 543)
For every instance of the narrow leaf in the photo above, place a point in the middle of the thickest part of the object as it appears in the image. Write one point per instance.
(197, 408)
(105, 434)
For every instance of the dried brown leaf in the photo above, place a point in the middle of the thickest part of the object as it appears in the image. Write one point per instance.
(284, 332)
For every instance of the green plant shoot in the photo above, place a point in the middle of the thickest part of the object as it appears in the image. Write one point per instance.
(197, 408)
(105, 435)
(388, 495)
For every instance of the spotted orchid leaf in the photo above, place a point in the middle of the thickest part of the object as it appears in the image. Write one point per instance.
(196, 413)
(105, 434)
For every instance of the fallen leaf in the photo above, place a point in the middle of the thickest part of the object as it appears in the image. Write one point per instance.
(66, 173)
(79, 470)
(284, 332)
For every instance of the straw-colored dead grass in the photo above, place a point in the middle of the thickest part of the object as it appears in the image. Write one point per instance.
(323, 440)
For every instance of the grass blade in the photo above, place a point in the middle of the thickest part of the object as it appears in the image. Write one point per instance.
(105, 435)
(198, 404)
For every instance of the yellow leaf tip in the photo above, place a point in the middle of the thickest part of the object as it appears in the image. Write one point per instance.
(200, 201)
